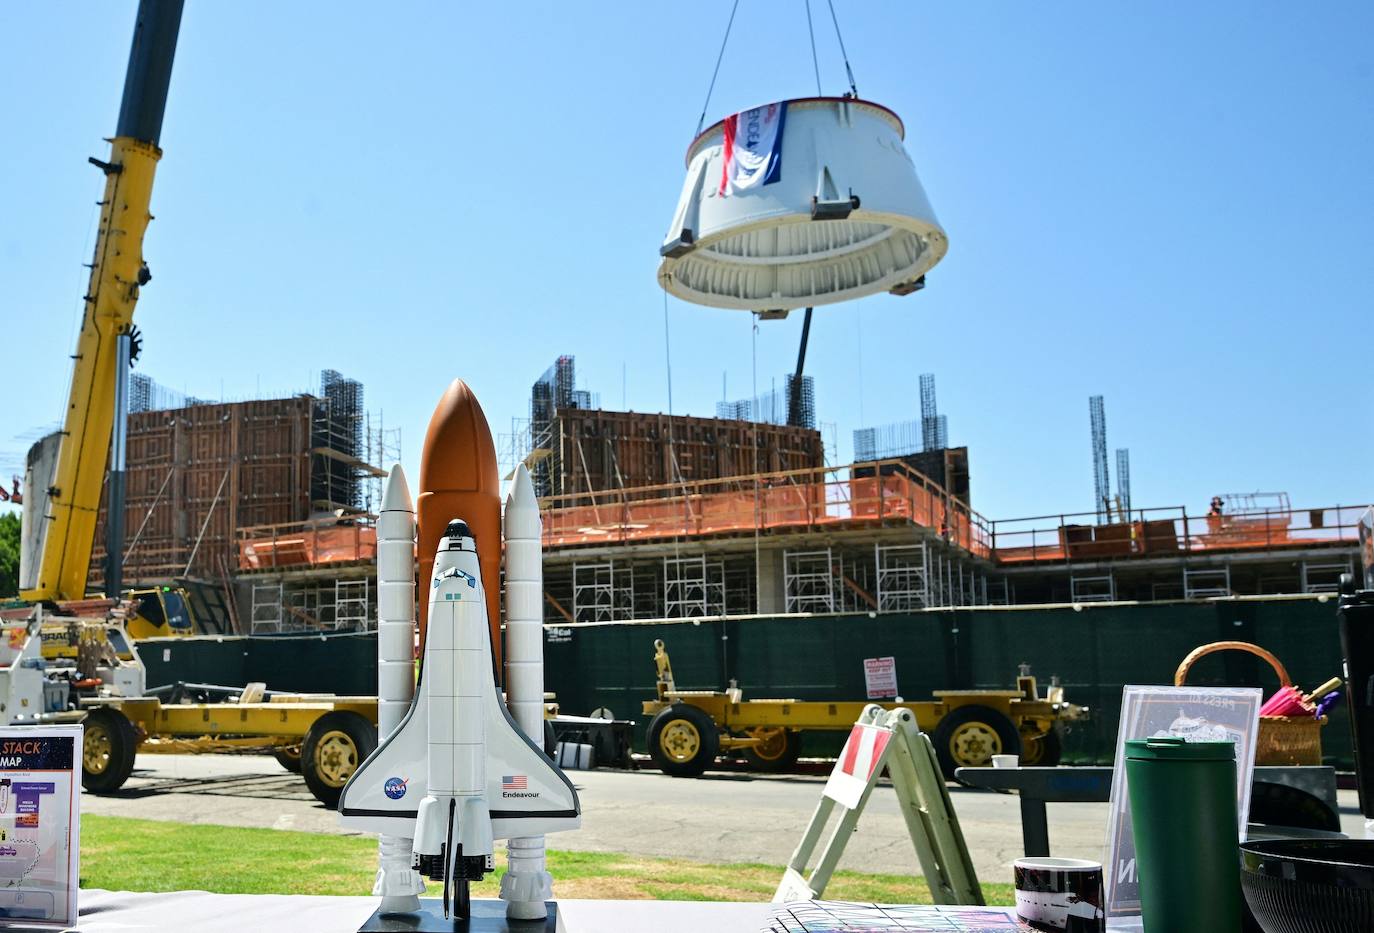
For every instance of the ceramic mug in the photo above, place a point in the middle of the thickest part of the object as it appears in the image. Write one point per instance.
(1060, 894)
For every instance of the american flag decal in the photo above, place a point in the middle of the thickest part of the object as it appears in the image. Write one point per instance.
(514, 782)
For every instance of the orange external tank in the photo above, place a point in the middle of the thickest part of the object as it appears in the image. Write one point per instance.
(459, 479)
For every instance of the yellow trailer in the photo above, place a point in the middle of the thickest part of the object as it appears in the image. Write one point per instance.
(324, 738)
(689, 729)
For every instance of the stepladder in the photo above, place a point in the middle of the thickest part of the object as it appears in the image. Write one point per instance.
(884, 742)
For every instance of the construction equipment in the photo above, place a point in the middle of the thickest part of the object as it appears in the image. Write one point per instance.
(65, 472)
(689, 729)
(68, 669)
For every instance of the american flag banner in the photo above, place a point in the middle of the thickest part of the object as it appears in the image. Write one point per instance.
(515, 782)
(752, 148)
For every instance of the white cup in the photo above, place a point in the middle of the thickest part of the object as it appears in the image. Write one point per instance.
(1005, 761)
(1060, 894)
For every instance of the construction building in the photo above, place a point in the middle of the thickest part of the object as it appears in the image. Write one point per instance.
(271, 500)
(895, 531)
(652, 516)
(578, 451)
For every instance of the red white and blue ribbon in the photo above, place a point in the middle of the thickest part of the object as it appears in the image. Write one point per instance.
(753, 149)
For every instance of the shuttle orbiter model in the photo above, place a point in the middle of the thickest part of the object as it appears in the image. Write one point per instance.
(458, 772)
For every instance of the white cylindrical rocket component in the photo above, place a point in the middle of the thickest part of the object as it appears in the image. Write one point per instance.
(526, 885)
(398, 884)
(395, 604)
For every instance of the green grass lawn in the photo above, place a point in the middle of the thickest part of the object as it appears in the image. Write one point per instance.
(124, 854)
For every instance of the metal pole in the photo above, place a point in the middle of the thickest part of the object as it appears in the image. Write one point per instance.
(114, 501)
(795, 395)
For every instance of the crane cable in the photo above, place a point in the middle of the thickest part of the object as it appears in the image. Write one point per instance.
(701, 121)
(843, 54)
(815, 62)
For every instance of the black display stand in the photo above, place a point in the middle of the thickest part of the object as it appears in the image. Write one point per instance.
(1356, 618)
(488, 916)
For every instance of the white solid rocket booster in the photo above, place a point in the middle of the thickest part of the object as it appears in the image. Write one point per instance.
(526, 886)
(398, 884)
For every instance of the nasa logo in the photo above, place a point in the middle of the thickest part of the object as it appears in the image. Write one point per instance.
(395, 788)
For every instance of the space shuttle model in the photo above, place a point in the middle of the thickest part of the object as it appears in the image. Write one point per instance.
(455, 770)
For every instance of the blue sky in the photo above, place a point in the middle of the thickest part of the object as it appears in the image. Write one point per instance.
(1165, 204)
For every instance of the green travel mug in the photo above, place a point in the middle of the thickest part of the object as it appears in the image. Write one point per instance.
(1183, 818)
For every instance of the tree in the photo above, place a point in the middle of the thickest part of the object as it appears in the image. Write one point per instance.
(9, 554)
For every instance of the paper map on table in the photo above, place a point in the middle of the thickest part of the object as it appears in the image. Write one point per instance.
(40, 788)
(844, 917)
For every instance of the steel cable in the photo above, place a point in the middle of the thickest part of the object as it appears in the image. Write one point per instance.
(702, 120)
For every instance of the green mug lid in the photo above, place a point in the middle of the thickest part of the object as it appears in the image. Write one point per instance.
(1173, 748)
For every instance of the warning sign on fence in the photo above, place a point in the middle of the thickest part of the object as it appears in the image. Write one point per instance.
(880, 676)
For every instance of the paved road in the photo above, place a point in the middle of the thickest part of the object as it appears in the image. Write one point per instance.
(717, 818)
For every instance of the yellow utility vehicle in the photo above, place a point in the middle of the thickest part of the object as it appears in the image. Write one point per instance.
(689, 729)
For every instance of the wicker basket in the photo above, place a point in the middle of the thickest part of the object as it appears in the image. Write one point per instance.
(1283, 740)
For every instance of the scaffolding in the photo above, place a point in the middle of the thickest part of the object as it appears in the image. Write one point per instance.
(552, 392)
(382, 446)
(603, 592)
(337, 434)
(265, 612)
(809, 581)
(903, 577)
(1324, 577)
(1092, 588)
(1102, 487)
(343, 604)
(693, 587)
(1206, 583)
(352, 601)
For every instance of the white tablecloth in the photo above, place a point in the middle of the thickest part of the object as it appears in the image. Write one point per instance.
(125, 912)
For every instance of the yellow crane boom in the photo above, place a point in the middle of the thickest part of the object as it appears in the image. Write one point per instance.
(62, 493)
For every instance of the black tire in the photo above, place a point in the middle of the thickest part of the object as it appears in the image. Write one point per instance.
(335, 745)
(1043, 751)
(550, 741)
(683, 740)
(107, 751)
(968, 737)
(289, 758)
(777, 753)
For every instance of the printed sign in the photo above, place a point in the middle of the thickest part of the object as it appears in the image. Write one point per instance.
(1197, 714)
(880, 677)
(40, 797)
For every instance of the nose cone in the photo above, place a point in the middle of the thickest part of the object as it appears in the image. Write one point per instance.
(458, 480)
(396, 494)
(459, 454)
(521, 493)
